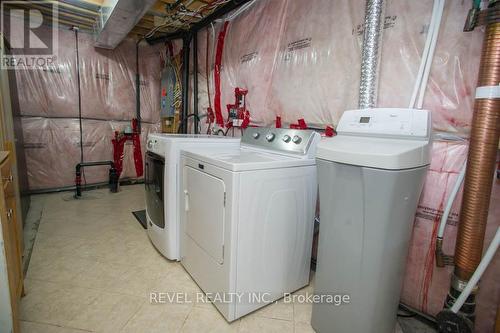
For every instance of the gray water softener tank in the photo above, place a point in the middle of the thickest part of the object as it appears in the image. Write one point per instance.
(370, 179)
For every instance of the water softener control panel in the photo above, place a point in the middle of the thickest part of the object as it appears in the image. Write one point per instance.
(386, 122)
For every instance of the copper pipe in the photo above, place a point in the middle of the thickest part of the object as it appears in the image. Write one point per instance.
(489, 69)
(481, 161)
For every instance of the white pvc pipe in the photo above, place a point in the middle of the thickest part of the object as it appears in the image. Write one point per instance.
(451, 199)
(490, 252)
(425, 54)
(427, 71)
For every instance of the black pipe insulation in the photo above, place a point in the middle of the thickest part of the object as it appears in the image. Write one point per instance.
(75, 29)
(195, 82)
(137, 88)
(186, 41)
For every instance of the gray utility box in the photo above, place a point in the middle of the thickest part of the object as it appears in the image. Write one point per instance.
(370, 180)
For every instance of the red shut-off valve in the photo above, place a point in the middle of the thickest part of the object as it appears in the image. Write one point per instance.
(238, 115)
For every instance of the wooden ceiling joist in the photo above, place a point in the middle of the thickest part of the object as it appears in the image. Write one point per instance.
(84, 13)
(75, 9)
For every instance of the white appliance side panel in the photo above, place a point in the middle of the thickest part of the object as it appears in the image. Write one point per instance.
(275, 231)
(366, 221)
(205, 206)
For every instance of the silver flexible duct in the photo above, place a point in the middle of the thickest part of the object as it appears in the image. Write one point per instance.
(372, 39)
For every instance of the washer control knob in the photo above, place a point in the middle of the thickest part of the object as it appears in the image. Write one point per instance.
(286, 138)
(270, 137)
(150, 144)
(296, 139)
(256, 135)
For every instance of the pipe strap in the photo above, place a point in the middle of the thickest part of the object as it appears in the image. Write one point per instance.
(488, 92)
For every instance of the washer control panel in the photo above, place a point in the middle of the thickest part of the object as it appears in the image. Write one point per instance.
(155, 145)
(280, 139)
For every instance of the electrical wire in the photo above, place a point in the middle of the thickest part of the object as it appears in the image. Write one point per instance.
(220, 131)
(175, 63)
(179, 18)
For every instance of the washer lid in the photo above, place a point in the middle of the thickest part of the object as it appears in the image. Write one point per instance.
(380, 138)
(247, 159)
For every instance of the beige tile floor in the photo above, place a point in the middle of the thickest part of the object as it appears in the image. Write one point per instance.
(92, 270)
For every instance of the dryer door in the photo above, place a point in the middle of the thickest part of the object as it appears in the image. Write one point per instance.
(205, 210)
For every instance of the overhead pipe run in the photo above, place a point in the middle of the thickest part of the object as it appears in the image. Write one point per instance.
(370, 54)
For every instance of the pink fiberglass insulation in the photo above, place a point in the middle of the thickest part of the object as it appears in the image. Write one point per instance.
(317, 65)
(52, 151)
(150, 69)
(308, 54)
(453, 77)
(107, 80)
(48, 101)
(51, 91)
(250, 64)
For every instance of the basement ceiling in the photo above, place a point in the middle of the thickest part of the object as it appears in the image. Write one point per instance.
(165, 16)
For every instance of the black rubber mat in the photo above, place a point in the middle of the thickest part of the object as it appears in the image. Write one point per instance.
(140, 215)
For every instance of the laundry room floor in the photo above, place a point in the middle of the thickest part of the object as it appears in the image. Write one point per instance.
(92, 269)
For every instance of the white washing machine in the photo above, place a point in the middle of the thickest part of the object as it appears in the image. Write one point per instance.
(162, 184)
(248, 218)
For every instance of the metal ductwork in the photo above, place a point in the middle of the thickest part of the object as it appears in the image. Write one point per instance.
(370, 56)
(484, 139)
(117, 18)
